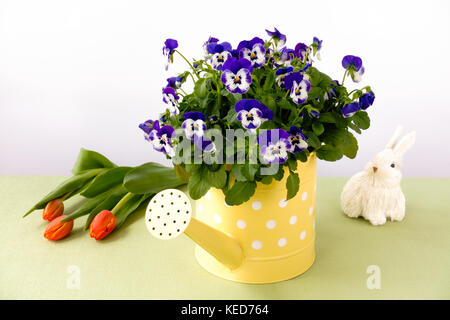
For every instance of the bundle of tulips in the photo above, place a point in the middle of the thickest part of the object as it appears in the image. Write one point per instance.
(261, 90)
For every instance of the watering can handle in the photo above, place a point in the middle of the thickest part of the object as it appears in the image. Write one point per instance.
(220, 245)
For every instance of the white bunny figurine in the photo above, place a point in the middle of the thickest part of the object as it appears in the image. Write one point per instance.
(375, 193)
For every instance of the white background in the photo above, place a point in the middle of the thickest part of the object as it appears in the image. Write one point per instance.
(86, 73)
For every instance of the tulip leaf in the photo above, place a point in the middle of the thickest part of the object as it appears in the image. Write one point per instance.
(88, 159)
(106, 181)
(107, 204)
(129, 207)
(72, 184)
(151, 178)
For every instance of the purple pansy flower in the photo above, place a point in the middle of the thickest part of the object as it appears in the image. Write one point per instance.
(171, 98)
(220, 53)
(146, 127)
(317, 45)
(314, 113)
(252, 113)
(253, 50)
(280, 39)
(169, 46)
(281, 74)
(297, 139)
(298, 85)
(204, 143)
(209, 41)
(300, 52)
(366, 100)
(286, 55)
(174, 82)
(236, 75)
(194, 125)
(350, 109)
(159, 137)
(355, 66)
(274, 145)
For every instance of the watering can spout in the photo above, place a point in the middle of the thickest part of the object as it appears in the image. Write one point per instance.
(169, 214)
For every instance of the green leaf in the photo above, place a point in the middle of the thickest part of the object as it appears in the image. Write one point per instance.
(328, 153)
(88, 159)
(129, 207)
(89, 205)
(269, 82)
(107, 204)
(280, 174)
(216, 179)
(327, 117)
(236, 170)
(292, 185)
(249, 170)
(198, 186)
(105, 181)
(318, 128)
(292, 163)
(72, 184)
(312, 140)
(351, 147)
(361, 119)
(200, 89)
(267, 180)
(240, 192)
(151, 178)
(181, 173)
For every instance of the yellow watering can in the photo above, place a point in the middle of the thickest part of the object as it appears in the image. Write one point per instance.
(264, 240)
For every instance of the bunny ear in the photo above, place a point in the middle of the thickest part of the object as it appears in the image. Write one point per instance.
(405, 144)
(391, 144)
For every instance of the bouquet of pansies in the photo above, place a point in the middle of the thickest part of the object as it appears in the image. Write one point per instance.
(254, 111)
(267, 92)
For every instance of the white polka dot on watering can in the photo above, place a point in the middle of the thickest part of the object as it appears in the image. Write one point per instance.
(282, 242)
(241, 224)
(303, 235)
(304, 195)
(293, 220)
(217, 218)
(256, 245)
(256, 205)
(271, 224)
(311, 209)
(282, 203)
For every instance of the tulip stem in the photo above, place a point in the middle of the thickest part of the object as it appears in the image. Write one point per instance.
(122, 202)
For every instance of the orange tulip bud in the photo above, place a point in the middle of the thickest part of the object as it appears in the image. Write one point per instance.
(57, 230)
(102, 225)
(53, 209)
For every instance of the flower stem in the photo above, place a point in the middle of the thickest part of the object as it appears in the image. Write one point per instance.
(190, 64)
(122, 202)
(345, 74)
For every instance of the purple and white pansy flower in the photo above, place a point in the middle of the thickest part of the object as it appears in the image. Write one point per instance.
(303, 52)
(366, 100)
(171, 98)
(350, 109)
(286, 56)
(298, 86)
(207, 42)
(194, 125)
(274, 145)
(174, 82)
(355, 66)
(297, 139)
(278, 37)
(253, 50)
(252, 113)
(281, 74)
(194, 128)
(314, 113)
(169, 47)
(159, 136)
(220, 52)
(236, 75)
(317, 45)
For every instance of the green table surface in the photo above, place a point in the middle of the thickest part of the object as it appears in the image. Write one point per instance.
(412, 256)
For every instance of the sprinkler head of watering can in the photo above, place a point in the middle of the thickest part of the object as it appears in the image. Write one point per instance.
(169, 214)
